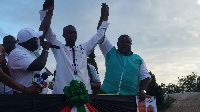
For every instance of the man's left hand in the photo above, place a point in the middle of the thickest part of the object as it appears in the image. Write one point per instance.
(142, 95)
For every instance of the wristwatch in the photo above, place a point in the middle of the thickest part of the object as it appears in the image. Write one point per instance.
(143, 91)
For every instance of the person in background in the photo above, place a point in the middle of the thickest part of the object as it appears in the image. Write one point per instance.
(7, 80)
(94, 78)
(9, 44)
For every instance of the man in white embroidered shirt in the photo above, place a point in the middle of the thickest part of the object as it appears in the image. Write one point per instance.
(72, 60)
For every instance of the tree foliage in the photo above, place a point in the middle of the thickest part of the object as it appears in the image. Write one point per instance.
(189, 83)
(91, 60)
(155, 90)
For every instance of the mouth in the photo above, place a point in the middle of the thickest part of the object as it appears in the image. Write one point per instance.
(125, 48)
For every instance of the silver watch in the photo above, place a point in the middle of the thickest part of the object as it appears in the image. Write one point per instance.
(143, 91)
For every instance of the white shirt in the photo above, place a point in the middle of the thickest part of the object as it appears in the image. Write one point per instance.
(95, 77)
(18, 62)
(106, 46)
(65, 67)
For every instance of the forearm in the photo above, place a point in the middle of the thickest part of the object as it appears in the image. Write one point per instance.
(10, 82)
(39, 63)
(96, 85)
(100, 22)
(45, 24)
(144, 83)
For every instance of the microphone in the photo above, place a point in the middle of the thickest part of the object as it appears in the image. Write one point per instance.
(54, 46)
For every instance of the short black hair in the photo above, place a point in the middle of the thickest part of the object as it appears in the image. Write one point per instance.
(8, 36)
(67, 27)
(124, 36)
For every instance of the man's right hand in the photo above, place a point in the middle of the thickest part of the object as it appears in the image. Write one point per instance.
(48, 5)
(51, 5)
(104, 12)
(45, 45)
(34, 89)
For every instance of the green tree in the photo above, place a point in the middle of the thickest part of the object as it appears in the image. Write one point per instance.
(91, 60)
(189, 83)
(155, 90)
(172, 88)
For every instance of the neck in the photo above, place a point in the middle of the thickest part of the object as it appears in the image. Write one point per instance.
(8, 52)
(70, 44)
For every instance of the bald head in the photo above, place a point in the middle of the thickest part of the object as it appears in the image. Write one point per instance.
(124, 44)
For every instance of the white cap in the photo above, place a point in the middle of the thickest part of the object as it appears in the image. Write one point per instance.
(26, 34)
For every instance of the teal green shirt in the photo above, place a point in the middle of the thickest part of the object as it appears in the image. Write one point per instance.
(121, 73)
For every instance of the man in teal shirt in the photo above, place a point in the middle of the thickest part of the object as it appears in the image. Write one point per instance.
(124, 69)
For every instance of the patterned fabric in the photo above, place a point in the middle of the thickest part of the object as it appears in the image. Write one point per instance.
(66, 70)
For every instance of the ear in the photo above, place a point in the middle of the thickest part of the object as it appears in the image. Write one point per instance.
(117, 43)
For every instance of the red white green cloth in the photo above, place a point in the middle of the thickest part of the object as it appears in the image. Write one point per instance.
(86, 108)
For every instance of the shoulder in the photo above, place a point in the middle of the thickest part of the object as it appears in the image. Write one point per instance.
(17, 54)
(137, 57)
(113, 50)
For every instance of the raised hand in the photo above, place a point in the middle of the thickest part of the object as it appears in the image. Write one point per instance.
(104, 11)
(45, 45)
(104, 14)
(51, 5)
(45, 4)
(48, 5)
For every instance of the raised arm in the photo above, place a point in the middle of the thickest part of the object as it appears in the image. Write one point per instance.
(104, 14)
(49, 6)
(105, 45)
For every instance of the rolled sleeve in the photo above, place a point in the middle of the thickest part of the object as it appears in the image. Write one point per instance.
(106, 46)
(97, 38)
(143, 73)
(50, 36)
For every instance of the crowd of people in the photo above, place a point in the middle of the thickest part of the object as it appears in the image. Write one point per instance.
(22, 65)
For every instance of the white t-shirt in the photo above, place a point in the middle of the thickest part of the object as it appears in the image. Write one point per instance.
(18, 62)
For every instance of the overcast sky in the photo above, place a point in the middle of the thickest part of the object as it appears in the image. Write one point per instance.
(165, 33)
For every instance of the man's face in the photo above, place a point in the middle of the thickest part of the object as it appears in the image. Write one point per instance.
(9, 44)
(150, 108)
(141, 106)
(70, 34)
(32, 44)
(124, 45)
